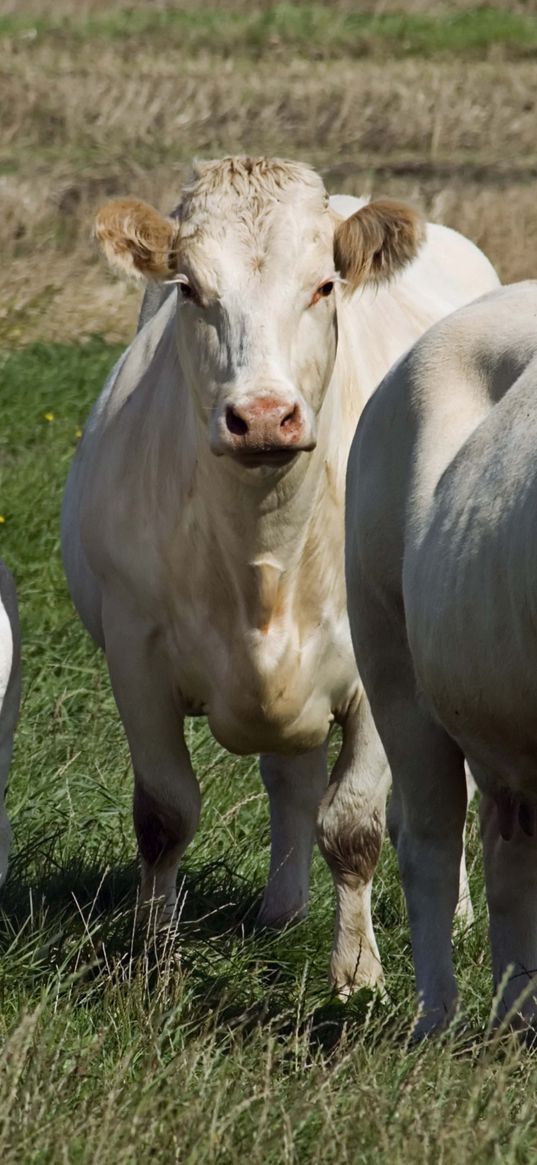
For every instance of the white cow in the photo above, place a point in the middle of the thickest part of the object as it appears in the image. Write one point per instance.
(9, 698)
(203, 518)
(442, 586)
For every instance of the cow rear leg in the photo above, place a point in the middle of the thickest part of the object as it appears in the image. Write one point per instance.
(295, 786)
(166, 793)
(428, 807)
(350, 832)
(428, 775)
(464, 912)
(511, 881)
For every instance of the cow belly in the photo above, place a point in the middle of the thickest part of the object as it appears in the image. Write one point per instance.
(493, 720)
(475, 655)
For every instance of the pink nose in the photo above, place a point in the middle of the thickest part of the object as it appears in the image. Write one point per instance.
(265, 423)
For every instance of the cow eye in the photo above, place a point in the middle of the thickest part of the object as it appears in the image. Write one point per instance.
(323, 291)
(188, 292)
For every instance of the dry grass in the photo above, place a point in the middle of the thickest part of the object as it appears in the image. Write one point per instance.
(86, 8)
(83, 121)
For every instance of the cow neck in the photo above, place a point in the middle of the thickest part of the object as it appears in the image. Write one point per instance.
(251, 516)
(268, 533)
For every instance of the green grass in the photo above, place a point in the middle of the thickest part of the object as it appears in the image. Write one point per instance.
(219, 1045)
(311, 29)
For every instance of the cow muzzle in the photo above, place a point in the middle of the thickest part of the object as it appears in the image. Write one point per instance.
(265, 429)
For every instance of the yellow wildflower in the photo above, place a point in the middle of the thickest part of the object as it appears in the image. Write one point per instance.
(2, 520)
(78, 434)
(48, 416)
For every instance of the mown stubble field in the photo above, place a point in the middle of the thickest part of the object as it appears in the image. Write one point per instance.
(219, 1045)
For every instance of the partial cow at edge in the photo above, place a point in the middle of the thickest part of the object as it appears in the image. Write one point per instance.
(203, 517)
(9, 699)
(442, 585)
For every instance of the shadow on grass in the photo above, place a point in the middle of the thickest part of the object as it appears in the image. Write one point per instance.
(79, 923)
(212, 900)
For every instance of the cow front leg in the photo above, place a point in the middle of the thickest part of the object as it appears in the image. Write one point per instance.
(295, 786)
(350, 832)
(166, 814)
(166, 793)
(511, 881)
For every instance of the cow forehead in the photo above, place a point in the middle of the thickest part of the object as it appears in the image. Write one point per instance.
(253, 184)
(257, 212)
(286, 241)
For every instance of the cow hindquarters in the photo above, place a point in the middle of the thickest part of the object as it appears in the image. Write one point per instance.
(511, 881)
(166, 794)
(295, 785)
(350, 832)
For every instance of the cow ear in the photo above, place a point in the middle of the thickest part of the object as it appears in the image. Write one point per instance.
(377, 241)
(136, 239)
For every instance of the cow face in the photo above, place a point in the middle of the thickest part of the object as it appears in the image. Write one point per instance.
(260, 262)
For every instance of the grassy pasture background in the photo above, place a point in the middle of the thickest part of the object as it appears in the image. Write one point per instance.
(220, 1045)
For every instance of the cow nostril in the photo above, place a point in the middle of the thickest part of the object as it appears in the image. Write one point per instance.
(290, 418)
(235, 423)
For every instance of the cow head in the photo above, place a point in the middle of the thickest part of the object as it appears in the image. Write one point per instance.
(259, 261)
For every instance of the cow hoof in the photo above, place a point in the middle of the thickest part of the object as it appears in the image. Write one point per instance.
(158, 914)
(519, 1027)
(433, 1023)
(349, 991)
(269, 918)
(363, 973)
(425, 1030)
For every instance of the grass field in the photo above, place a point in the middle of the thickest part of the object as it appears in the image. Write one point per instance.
(221, 1045)
(224, 1045)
